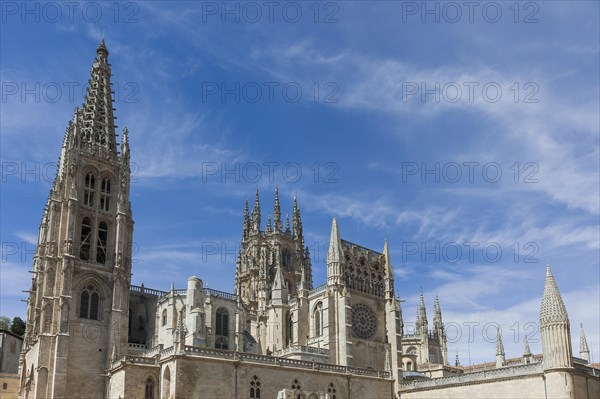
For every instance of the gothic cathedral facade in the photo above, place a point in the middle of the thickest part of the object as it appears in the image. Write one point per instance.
(91, 334)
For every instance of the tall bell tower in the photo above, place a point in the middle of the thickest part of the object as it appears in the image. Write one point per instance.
(77, 308)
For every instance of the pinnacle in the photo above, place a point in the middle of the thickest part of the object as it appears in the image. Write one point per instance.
(499, 344)
(102, 47)
(553, 308)
(334, 253)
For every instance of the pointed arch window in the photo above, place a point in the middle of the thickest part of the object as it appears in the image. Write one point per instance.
(89, 303)
(289, 336)
(101, 243)
(255, 388)
(222, 329)
(318, 319)
(88, 189)
(85, 239)
(105, 194)
(149, 388)
(164, 317)
(331, 391)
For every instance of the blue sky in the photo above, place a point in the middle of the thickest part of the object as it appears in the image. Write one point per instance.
(456, 130)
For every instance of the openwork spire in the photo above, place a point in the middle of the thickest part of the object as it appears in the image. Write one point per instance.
(297, 222)
(422, 315)
(437, 314)
(246, 222)
(277, 212)
(553, 308)
(97, 122)
(256, 213)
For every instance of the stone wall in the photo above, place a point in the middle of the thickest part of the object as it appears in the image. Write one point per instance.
(10, 348)
(210, 378)
(524, 382)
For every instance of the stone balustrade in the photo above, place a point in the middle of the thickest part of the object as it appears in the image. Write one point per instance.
(503, 372)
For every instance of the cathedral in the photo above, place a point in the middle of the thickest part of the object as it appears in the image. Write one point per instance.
(91, 334)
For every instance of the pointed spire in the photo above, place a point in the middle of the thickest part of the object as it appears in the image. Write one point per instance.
(335, 254)
(437, 313)
(256, 213)
(389, 270)
(499, 344)
(584, 350)
(125, 144)
(297, 222)
(526, 350)
(279, 292)
(554, 327)
(422, 315)
(307, 268)
(499, 349)
(287, 224)
(303, 285)
(180, 331)
(553, 308)
(277, 211)
(102, 48)
(98, 122)
(246, 227)
(269, 227)
(387, 364)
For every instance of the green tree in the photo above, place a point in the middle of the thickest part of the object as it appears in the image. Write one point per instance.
(4, 322)
(17, 326)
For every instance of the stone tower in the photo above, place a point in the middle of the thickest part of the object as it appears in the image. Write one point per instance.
(77, 307)
(556, 341)
(365, 319)
(555, 327)
(263, 251)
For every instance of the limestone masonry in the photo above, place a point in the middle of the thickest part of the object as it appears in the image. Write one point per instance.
(91, 334)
